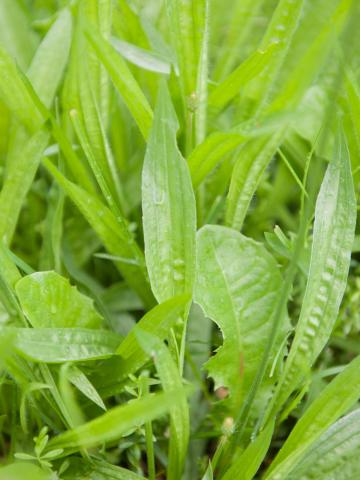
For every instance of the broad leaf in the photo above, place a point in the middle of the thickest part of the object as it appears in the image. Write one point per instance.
(48, 300)
(237, 286)
(58, 345)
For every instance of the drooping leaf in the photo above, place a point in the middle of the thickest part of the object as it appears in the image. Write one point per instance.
(124, 81)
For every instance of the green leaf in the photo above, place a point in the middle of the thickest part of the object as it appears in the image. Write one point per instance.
(299, 78)
(171, 380)
(25, 152)
(83, 384)
(168, 203)
(97, 470)
(248, 462)
(123, 80)
(246, 71)
(333, 238)
(208, 154)
(250, 165)
(237, 286)
(335, 456)
(47, 67)
(280, 31)
(27, 470)
(330, 405)
(113, 232)
(57, 345)
(115, 423)
(142, 58)
(15, 95)
(16, 34)
(158, 321)
(186, 24)
(48, 300)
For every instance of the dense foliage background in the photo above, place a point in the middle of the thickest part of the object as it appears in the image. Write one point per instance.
(179, 292)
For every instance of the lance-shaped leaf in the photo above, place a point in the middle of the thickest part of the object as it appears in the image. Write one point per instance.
(331, 404)
(237, 285)
(333, 238)
(187, 21)
(25, 152)
(48, 300)
(130, 354)
(335, 456)
(115, 423)
(250, 165)
(113, 232)
(123, 80)
(170, 379)
(168, 202)
(57, 345)
(248, 462)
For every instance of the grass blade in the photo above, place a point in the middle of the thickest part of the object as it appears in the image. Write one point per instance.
(112, 231)
(123, 81)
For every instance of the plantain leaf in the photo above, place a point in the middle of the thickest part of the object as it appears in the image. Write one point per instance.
(130, 355)
(249, 167)
(116, 422)
(331, 404)
(187, 21)
(248, 462)
(237, 285)
(57, 345)
(333, 238)
(49, 301)
(171, 380)
(335, 456)
(168, 202)
(83, 384)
